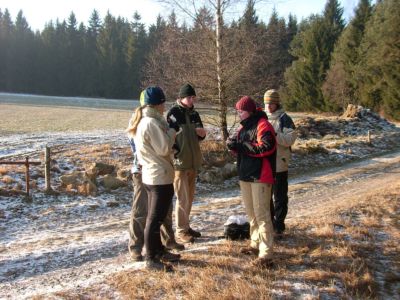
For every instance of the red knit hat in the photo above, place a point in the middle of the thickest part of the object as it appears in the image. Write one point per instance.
(246, 104)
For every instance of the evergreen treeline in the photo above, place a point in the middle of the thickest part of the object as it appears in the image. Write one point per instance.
(319, 64)
(335, 65)
(104, 59)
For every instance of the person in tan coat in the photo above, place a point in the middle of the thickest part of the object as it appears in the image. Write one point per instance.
(285, 136)
(154, 140)
(138, 216)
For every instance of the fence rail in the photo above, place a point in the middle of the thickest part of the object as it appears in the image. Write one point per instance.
(27, 163)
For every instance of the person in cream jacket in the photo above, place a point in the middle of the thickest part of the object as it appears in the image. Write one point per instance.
(285, 136)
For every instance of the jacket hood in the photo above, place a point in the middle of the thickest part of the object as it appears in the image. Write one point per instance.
(183, 106)
(151, 112)
(257, 115)
(275, 114)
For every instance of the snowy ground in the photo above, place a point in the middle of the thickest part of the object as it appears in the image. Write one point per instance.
(69, 242)
(61, 243)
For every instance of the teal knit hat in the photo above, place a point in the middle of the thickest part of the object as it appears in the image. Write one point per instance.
(154, 95)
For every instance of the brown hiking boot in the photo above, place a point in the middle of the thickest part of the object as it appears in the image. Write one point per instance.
(194, 233)
(136, 254)
(175, 246)
(167, 256)
(263, 262)
(249, 251)
(185, 238)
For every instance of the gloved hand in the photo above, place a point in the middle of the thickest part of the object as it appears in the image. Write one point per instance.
(232, 144)
(173, 123)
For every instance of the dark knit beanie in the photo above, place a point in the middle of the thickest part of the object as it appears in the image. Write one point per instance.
(246, 104)
(153, 95)
(186, 91)
(272, 97)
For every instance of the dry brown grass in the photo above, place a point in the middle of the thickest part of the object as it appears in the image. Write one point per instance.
(7, 179)
(337, 255)
(83, 156)
(218, 272)
(30, 119)
(3, 170)
(215, 153)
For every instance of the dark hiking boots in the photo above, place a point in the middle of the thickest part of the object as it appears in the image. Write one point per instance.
(166, 256)
(263, 263)
(185, 238)
(249, 251)
(136, 254)
(154, 264)
(194, 233)
(175, 246)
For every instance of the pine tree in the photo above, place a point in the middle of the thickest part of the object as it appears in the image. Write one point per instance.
(48, 60)
(6, 35)
(21, 74)
(73, 60)
(341, 84)
(136, 53)
(312, 48)
(91, 70)
(379, 67)
(112, 42)
(249, 20)
(275, 51)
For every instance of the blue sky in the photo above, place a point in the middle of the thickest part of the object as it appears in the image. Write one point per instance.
(38, 12)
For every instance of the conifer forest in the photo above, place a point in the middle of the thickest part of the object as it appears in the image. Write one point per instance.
(319, 64)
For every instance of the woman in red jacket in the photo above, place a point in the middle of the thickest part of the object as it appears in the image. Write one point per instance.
(255, 146)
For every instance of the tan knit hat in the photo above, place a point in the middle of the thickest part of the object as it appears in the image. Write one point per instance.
(272, 97)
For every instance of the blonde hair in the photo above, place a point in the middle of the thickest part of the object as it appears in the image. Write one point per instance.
(134, 121)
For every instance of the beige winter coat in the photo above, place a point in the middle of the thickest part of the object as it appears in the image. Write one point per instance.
(153, 141)
(285, 138)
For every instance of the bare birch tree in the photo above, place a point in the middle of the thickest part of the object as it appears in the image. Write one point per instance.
(222, 61)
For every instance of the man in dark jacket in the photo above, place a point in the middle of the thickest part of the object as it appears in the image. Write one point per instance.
(188, 158)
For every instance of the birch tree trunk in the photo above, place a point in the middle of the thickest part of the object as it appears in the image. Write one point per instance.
(221, 95)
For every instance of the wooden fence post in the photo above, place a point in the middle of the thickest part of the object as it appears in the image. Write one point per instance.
(27, 175)
(47, 169)
(26, 162)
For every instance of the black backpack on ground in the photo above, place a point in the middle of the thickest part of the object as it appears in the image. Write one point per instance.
(235, 231)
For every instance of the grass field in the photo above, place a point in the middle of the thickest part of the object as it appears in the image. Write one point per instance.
(30, 119)
(16, 118)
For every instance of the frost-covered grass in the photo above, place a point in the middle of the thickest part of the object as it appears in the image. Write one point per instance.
(338, 255)
(71, 246)
(34, 119)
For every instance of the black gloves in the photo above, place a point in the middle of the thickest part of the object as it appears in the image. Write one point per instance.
(232, 144)
(173, 123)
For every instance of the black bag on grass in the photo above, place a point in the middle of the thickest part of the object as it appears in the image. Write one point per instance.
(237, 228)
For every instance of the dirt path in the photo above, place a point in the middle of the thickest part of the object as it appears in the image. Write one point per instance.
(60, 244)
(318, 193)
